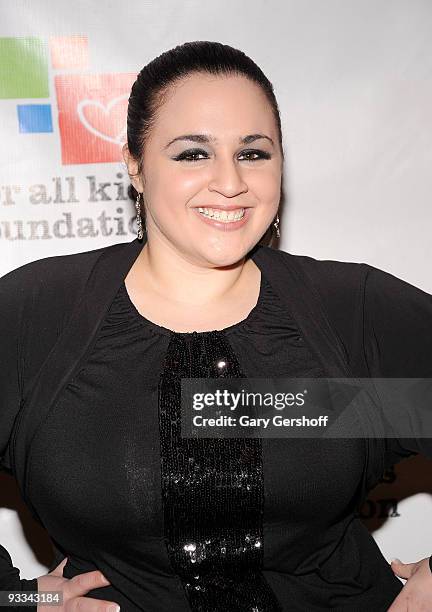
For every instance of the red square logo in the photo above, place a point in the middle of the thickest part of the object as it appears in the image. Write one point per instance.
(92, 116)
(69, 52)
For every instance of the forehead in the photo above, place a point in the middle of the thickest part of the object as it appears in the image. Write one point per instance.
(219, 104)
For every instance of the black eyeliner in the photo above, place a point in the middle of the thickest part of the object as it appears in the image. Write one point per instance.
(189, 152)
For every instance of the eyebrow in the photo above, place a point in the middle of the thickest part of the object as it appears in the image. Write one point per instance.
(203, 138)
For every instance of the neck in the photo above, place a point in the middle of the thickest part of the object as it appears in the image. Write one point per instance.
(176, 278)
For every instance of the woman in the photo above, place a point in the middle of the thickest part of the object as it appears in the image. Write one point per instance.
(93, 372)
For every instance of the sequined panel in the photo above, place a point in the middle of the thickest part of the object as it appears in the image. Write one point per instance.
(212, 489)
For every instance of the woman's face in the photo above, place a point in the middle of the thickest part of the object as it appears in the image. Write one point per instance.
(195, 158)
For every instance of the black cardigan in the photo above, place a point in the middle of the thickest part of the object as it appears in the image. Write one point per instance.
(358, 321)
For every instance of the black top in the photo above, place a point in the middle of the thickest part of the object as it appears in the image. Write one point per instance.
(265, 525)
(104, 489)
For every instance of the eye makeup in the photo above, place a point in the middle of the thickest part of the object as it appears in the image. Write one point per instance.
(190, 153)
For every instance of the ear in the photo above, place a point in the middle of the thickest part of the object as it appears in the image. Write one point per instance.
(132, 168)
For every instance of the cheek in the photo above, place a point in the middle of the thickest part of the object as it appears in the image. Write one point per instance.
(179, 185)
(265, 184)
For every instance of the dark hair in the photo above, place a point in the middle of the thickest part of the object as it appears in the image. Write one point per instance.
(153, 82)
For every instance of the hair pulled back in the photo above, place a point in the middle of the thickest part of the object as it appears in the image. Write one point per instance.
(155, 79)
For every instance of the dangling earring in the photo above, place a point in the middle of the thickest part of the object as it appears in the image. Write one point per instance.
(276, 225)
(138, 216)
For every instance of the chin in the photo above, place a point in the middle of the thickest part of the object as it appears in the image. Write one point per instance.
(230, 258)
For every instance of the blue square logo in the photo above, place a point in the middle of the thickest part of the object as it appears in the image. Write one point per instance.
(34, 118)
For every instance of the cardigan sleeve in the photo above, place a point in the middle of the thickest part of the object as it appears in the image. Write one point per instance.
(398, 342)
(11, 311)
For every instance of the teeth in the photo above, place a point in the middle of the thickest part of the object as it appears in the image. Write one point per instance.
(224, 215)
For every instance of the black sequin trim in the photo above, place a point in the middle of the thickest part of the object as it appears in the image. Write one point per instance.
(212, 490)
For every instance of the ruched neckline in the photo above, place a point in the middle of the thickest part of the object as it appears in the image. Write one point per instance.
(127, 307)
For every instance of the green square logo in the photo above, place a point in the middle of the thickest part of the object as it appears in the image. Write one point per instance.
(23, 68)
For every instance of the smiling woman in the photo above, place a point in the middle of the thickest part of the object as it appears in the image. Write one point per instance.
(235, 167)
(106, 336)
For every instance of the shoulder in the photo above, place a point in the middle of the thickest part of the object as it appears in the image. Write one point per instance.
(326, 275)
(37, 301)
(333, 273)
(345, 284)
(57, 265)
(312, 264)
(41, 294)
(56, 273)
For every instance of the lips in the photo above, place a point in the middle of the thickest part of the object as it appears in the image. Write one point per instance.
(227, 208)
(223, 225)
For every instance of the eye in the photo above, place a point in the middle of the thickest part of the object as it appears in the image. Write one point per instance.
(190, 155)
(259, 153)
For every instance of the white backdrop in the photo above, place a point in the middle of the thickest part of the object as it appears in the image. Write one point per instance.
(353, 81)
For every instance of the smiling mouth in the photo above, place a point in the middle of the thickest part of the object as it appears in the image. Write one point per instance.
(224, 216)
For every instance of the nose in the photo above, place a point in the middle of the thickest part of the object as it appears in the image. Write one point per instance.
(227, 178)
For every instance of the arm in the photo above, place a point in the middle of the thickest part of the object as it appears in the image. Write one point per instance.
(398, 344)
(10, 397)
(36, 301)
(10, 575)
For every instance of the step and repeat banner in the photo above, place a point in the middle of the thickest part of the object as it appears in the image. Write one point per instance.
(63, 184)
(353, 82)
